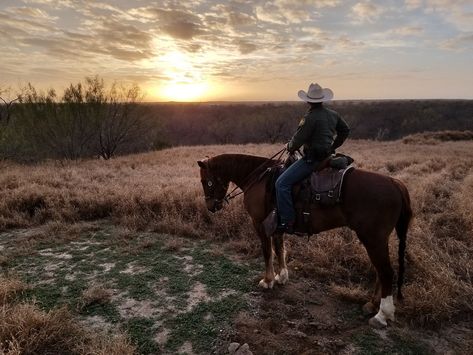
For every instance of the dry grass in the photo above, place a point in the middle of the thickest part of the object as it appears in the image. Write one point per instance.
(440, 136)
(95, 294)
(161, 191)
(25, 329)
(10, 288)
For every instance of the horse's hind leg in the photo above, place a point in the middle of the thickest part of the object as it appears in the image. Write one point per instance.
(371, 306)
(280, 251)
(379, 255)
(266, 246)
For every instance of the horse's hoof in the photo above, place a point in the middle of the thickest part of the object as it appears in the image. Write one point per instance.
(282, 277)
(369, 308)
(266, 285)
(377, 323)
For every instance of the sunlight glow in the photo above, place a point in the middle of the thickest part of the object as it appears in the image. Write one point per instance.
(183, 91)
(185, 82)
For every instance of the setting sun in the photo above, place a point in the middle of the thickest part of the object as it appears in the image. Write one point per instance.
(183, 91)
(184, 81)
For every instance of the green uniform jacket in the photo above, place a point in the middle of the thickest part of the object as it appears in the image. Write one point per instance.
(316, 133)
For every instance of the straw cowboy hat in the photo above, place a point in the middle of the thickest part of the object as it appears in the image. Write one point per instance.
(316, 94)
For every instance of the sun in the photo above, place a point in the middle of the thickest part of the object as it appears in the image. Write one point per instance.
(183, 91)
(185, 82)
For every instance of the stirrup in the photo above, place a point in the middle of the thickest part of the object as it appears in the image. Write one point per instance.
(287, 228)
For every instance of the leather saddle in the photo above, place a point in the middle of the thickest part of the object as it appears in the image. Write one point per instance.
(322, 188)
(327, 180)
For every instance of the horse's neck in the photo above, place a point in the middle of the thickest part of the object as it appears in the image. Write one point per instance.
(239, 168)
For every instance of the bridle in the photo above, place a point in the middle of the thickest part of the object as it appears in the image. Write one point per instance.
(210, 185)
(252, 178)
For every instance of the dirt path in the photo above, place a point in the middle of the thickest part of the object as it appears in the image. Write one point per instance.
(177, 295)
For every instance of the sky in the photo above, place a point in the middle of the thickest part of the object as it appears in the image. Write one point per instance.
(204, 50)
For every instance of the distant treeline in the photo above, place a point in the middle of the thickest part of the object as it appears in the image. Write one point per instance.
(90, 119)
(190, 124)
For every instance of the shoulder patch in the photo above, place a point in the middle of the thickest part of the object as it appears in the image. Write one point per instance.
(302, 121)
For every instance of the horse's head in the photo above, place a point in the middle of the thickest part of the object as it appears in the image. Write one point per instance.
(215, 188)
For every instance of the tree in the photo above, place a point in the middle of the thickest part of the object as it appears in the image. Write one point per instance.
(6, 105)
(121, 123)
(88, 119)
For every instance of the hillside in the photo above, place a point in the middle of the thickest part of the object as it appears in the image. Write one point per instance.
(129, 247)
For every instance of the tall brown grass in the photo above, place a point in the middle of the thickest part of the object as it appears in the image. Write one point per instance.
(161, 191)
(25, 329)
(440, 136)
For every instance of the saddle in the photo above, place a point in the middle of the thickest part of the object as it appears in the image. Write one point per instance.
(323, 188)
(327, 180)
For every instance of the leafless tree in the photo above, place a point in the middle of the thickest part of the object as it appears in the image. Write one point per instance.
(122, 121)
(6, 105)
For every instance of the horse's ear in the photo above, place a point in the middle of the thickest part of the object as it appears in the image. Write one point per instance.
(202, 164)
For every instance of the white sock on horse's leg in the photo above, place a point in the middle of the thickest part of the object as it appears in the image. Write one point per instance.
(266, 285)
(386, 310)
(282, 277)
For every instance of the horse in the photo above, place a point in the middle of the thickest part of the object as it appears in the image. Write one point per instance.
(372, 205)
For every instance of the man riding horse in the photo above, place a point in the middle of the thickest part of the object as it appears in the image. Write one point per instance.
(316, 133)
(371, 204)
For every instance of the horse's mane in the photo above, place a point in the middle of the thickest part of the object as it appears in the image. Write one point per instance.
(237, 167)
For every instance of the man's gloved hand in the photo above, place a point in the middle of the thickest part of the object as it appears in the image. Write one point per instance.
(287, 148)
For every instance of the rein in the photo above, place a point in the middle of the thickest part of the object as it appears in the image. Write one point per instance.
(254, 179)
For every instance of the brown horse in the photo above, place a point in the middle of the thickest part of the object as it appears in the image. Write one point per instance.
(372, 205)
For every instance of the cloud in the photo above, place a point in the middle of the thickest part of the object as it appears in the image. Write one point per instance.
(245, 46)
(180, 24)
(461, 42)
(412, 4)
(182, 29)
(408, 31)
(457, 12)
(31, 12)
(291, 12)
(366, 12)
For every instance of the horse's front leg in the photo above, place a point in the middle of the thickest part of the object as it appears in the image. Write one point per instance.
(280, 250)
(266, 246)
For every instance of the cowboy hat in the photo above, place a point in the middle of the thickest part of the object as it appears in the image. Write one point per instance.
(316, 94)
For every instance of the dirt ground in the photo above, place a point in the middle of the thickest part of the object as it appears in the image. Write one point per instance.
(180, 295)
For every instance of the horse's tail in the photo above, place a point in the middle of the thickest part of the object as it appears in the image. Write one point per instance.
(402, 225)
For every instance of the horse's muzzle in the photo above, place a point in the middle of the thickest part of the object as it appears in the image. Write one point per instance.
(214, 205)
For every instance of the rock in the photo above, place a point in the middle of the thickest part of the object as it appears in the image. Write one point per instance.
(295, 334)
(233, 347)
(291, 323)
(244, 350)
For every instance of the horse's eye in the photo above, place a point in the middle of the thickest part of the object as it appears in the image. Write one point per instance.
(209, 183)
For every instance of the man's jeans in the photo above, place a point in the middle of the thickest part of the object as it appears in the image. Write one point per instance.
(295, 173)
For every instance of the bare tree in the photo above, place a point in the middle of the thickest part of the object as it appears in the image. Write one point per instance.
(122, 120)
(6, 105)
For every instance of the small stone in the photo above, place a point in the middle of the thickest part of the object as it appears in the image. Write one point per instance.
(233, 347)
(291, 323)
(244, 350)
(296, 334)
(316, 302)
(256, 331)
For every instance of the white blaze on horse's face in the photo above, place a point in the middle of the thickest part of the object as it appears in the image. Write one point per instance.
(215, 189)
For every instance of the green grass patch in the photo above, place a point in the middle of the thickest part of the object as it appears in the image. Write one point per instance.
(141, 332)
(202, 325)
(140, 268)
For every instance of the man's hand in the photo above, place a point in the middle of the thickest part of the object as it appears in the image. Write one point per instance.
(287, 147)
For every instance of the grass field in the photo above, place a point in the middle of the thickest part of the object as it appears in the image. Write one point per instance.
(121, 256)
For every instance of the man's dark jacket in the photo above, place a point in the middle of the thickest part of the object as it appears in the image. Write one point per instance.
(316, 133)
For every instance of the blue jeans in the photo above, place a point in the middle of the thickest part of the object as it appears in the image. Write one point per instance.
(295, 173)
